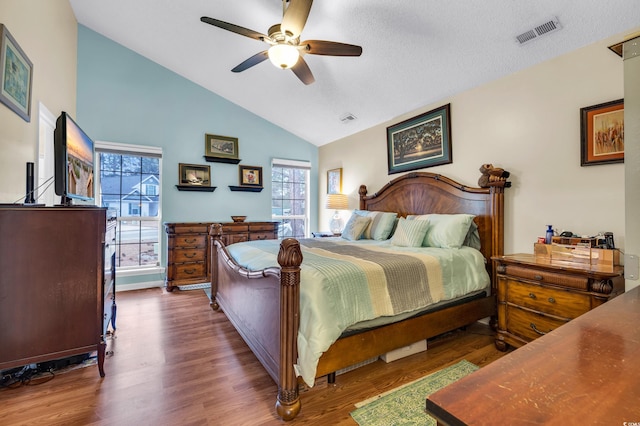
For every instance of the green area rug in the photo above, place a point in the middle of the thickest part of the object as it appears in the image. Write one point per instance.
(405, 405)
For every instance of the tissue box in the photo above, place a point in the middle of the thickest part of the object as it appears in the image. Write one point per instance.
(396, 354)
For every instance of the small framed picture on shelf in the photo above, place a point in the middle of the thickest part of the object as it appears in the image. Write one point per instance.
(251, 176)
(221, 149)
(194, 175)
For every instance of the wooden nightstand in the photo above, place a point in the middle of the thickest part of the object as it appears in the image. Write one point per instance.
(537, 295)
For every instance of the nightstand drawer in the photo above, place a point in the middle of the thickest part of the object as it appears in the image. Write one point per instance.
(190, 241)
(530, 325)
(189, 270)
(188, 255)
(552, 301)
(566, 280)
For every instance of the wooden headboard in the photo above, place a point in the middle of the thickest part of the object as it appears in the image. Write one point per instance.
(425, 193)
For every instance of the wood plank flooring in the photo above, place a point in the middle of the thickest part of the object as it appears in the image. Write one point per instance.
(177, 362)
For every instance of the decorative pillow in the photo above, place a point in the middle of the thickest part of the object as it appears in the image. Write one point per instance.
(446, 230)
(409, 233)
(381, 224)
(473, 237)
(355, 227)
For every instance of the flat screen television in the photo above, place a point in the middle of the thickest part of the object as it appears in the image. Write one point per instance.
(74, 161)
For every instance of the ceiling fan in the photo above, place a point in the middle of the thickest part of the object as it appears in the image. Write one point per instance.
(286, 49)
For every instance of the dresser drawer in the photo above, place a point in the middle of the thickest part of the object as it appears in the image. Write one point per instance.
(262, 236)
(260, 227)
(195, 228)
(233, 228)
(566, 280)
(530, 325)
(552, 301)
(190, 241)
(188, 255)
(189, 270)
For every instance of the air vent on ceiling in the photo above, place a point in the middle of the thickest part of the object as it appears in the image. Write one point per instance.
(548, 27)
(347, 118)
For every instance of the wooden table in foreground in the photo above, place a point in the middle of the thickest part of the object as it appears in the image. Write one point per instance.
(585, 372)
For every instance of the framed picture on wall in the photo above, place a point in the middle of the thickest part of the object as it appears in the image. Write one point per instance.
(16, 75)
(421, 141)
(194, 175)
(334, 181)
(251, 176)
(221, 149)
(602, 133)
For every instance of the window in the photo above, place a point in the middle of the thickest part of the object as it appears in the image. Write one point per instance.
(129, 184)
(290, 197)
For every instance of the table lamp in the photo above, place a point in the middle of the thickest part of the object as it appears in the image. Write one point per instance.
(337, 202)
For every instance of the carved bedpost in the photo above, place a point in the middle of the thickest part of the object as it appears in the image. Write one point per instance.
(363, 193)
(497, 242)
(290, 257)
(215, 234)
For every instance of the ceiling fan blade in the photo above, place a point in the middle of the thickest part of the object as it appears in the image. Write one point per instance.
(331, 48)
(302, 71)
(254, 60)
(234, 28)
(295, 17)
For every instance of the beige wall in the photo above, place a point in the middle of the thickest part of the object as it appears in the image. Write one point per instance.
(529, 124)
(47, 32)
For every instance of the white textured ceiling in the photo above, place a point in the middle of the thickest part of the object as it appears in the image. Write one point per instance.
(415, 52)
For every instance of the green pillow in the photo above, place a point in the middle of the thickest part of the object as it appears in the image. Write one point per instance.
(355, 227)
(381, 224)
(409, 233)
(446, 230)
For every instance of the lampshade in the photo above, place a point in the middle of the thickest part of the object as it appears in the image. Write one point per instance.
(283, 55)
(337, 202)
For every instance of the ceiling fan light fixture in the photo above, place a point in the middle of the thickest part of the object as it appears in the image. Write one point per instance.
(283, 55)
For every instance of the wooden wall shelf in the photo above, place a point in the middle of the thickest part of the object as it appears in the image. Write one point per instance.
(196, 188)
(246, 188)
(221, 160)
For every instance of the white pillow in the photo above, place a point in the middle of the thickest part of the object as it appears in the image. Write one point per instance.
(381, 224)
(355, 227)
(409, 233)
(446, 230)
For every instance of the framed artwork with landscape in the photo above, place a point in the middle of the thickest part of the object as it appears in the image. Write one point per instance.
(16, 75)
(421, 141)
(223, 149)
(602, 133)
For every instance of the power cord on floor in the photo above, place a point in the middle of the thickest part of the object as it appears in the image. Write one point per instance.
(25, 376)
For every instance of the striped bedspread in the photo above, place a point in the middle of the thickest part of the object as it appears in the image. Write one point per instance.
(343, 283)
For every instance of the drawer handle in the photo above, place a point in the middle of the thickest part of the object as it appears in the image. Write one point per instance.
(189, 271)
(534, 328)
(552, 300)
(261, 237)
(193, 240)
(537, 277)
(532, 295)
(189, 255)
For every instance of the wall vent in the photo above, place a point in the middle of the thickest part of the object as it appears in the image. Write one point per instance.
(548, 27)
(348, 118)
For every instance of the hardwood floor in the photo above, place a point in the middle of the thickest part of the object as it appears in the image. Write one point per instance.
(177, 362)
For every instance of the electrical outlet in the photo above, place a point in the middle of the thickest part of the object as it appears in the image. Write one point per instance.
(631, 267)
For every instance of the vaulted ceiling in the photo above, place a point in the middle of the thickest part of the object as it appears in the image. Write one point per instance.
(415, 52)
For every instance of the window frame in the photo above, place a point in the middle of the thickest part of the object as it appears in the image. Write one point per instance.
(134, 150)
(294, 164)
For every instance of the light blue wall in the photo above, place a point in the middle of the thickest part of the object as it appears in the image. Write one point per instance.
(124, 97)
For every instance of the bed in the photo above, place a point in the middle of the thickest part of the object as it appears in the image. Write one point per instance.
(264, 304)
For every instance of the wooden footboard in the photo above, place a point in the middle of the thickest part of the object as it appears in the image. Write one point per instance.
(264, 305)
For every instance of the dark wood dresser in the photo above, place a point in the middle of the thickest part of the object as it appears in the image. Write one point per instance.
(188, 248)
(584, 373)
(51, 284)
(537, 295)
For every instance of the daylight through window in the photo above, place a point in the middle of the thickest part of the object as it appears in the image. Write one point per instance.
(290, 197)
